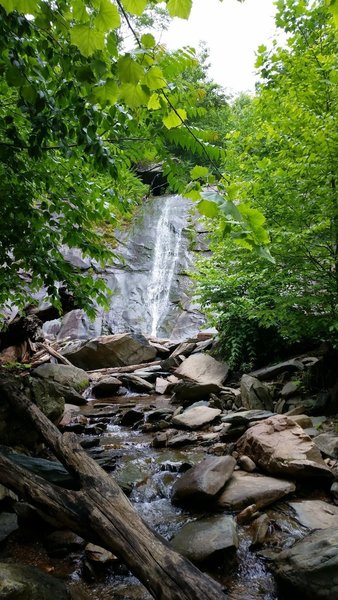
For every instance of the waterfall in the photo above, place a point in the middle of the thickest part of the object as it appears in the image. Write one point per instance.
(165, 257)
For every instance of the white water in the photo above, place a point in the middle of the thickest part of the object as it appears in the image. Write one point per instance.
(166, 253)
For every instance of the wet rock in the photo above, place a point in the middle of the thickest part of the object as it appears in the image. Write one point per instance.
(247, 514)
(108, 386)
(131, 417)
(70, 413)
(64, 374)
(259, 529)
(244, 489)
(246, 464)
(204, 481)
(315, 514)
(109, 351)
(196, 417)
(8, 524)
(310, 567)
(20, 582)
(61, 543)
(158, 414)
(211, 538)
(254, 394)
(202, 368)
(327, 444)
(280, 447)
(137, 384)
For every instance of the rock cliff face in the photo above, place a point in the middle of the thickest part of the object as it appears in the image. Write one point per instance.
(151, 289)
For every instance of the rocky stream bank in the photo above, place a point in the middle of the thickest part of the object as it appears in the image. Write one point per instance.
(241, 477)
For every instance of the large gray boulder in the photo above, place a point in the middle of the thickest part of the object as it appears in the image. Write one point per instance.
(63, 374)
(196, 417)
(245, 489)
(118, 350)
(202, 368)
(201, 483)
(280, 447)
(20, 582)
(310, 568)
(210, 538)
(254, 394)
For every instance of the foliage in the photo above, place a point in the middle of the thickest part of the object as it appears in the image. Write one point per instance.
(78, 110)
(282, 156)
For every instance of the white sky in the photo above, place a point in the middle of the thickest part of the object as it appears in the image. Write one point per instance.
(232, 31)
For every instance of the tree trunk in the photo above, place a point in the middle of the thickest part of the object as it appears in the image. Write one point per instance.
(101, 513)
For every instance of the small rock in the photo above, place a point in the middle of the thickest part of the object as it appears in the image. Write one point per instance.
(246, 464)
(246, 515)
(259, 530)
(290, 389)
(196, 417)
(99, 555)
(254, 394)
(8, 524)
(202, 368)
(131, 417)
(302, 420)
(327, 444)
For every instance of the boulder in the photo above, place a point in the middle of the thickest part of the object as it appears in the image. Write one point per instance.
(315, 514)
(211, 538)
(20, 582)
(52, 471)
(108, 386)
(255, 395)
(280, 447)
(327, 444)
(204, 481)
(244, 489)
(187, 392)
(196, 417)
(202, 368)
(64, 374)
(49, 397)
(118, 350)
(310, 568)
(246, 417)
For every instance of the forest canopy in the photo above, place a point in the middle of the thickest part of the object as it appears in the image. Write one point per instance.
(88, 93)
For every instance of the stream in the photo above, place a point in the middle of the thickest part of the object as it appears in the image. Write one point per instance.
(148, 474)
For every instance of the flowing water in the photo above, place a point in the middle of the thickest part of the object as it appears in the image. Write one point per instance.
(165, 259)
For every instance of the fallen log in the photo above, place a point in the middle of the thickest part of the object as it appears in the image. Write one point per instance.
(98, 373)
(100, 512)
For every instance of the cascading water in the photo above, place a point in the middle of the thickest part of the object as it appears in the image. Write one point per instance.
(166, 254)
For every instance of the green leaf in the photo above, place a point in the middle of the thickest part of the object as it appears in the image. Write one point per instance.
(87, 40)
(79, 11)
(106, 93)
(154, 79)
(134, 95)
(136, 7)
(208, 209)
(154, 102)
(198, 172)
(14, 77)
(179, 8)
(148, 40)
(27, 7)
(175, 118)
(129, 70)
(9, 5)
(108, 17)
